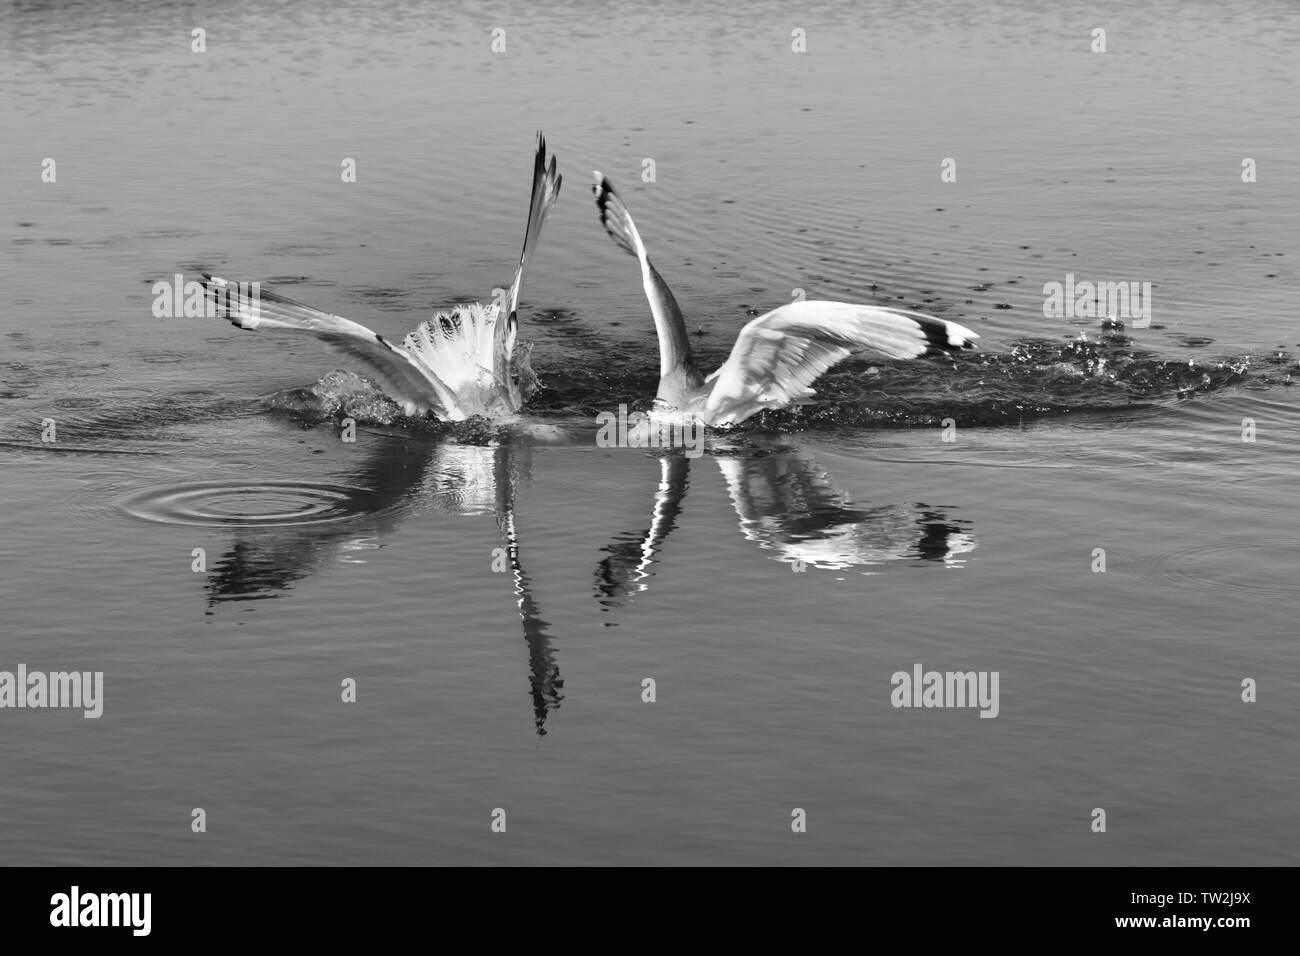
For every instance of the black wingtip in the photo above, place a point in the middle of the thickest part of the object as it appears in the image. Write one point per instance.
(940, 335)
(213, 286)
(602, 190)
(613, 213)
(543, 171)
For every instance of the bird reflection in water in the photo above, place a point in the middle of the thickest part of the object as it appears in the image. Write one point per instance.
(397, 479)
(784, 500)
(786, 504)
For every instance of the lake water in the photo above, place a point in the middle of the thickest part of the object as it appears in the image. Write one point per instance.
(499, 608)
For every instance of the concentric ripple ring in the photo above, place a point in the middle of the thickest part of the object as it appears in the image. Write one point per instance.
(267, 504)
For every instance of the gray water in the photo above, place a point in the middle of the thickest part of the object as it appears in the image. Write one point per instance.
(770, 588)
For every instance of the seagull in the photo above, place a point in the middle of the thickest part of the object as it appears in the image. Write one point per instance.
(453, 366)
(777, 356)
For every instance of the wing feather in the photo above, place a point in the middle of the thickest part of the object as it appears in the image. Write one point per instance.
(401, 375)
(779, 355)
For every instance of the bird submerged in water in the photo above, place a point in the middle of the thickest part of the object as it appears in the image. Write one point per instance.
(453, 366)
(777, 356)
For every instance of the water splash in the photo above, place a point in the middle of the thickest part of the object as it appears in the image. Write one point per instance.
(1034, 378)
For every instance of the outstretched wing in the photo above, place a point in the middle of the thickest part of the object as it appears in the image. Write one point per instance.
(777, 356)
(401, 375)
(675, 357)
(546, 189)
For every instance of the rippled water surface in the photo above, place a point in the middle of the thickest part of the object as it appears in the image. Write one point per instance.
(200, 531)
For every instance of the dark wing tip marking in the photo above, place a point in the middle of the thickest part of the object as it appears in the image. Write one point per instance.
(212, 286)
(610, 205)
(544, 172)
(602, 189)
(939, 335)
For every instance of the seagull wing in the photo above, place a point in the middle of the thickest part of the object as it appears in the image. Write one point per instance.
(401, 375)
(675, 359)
(779, 355)
(546, 190)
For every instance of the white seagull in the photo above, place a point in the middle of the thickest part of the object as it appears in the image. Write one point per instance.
(777, 356)
(453, 366)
